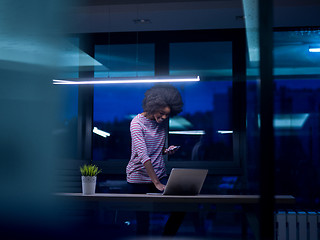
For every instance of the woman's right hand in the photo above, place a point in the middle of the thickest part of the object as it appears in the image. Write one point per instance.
(160, 186)
(171, 150)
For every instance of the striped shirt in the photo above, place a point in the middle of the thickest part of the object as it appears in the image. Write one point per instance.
(148, 138)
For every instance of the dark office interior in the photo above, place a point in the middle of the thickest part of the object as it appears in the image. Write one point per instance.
(253, 119)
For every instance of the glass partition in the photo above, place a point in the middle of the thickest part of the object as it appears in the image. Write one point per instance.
(66, 124)
(295, 119)
(115, 105)
(204, 128)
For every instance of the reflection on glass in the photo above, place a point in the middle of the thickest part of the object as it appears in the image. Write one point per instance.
(208, 104)
(200, 128)
(212, 59)
(296, 126)
(114, 107)
(124, 60)
(203, 129)
(297, 144)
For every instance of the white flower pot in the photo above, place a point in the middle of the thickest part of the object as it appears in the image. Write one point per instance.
(88, 185)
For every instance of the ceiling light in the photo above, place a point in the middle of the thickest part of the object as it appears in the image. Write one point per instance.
(188, 132)
(314, 49)
(141, 21)
(224, 131)
(100, 132)
(127, 80)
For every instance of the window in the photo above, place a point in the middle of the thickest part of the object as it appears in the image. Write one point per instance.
(204, 128)
(116, 105)
(295, 119)
(124, 60)
(296, 126)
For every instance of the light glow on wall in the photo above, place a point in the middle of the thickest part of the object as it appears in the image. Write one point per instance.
(288, 121)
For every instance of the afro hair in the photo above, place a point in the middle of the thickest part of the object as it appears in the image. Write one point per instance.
(161, 96)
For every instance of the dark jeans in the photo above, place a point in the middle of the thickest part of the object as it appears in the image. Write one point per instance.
(143, 218)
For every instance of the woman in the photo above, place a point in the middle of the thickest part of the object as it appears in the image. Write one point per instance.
(146, 170)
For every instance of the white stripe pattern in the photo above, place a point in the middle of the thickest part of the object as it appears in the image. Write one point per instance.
(148, 138)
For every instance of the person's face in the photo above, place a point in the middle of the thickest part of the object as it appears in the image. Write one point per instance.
(162, 114)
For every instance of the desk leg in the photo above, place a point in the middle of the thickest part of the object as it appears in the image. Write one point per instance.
(253, 221)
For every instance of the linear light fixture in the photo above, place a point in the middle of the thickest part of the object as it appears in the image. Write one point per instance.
(127, 80)
(100, 132)
(188, 132)
(225, 131)
(314, 49)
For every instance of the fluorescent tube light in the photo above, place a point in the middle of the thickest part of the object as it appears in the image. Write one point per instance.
(188, 132)
(224, 131)
(314, 49)
(127, 80)
(100, 132)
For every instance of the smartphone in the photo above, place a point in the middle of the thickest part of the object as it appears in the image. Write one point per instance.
(175, 147)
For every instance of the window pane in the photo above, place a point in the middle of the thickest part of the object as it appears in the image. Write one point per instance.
(114, 108)
(296, 115)
(295, 120)
(296, 126)
(212, 59)
(124, 60)
(116, 105)
(204, 128)
(253, 135)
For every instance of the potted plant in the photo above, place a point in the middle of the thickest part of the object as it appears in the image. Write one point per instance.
(89, 174)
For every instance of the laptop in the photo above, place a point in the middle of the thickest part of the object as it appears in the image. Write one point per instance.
(184, 181)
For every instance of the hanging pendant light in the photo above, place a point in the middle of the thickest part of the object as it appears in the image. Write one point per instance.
(126, 80)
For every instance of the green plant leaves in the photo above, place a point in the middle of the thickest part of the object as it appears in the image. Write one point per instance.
(89, 170)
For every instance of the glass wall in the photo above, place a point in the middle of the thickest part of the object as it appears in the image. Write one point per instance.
(296, 117)
(66, 128)
(115, 105)
(124, 60)
(204, 128)
(296, 123)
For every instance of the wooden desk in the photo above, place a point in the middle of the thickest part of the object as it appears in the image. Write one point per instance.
(160, 203)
